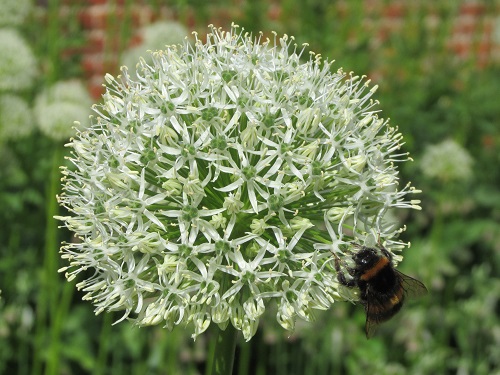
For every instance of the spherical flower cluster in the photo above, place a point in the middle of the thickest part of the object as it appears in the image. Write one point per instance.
(447, 161)
(14, 12)
(58, 106)
(154, 37)
(18, 67)
(16, 118)
(222, 180)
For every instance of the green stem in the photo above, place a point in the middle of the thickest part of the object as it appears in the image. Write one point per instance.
(171, 345)
(63, 307)
(244, 359)
(222, 350)
(100, 366)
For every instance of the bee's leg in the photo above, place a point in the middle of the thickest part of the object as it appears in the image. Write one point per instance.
(341, 276)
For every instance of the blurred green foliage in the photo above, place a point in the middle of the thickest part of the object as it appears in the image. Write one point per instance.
(426, 90)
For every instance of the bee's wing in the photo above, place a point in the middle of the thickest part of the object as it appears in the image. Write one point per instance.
(376, 313)
(371, 326)
(380, 310)
(412, 287)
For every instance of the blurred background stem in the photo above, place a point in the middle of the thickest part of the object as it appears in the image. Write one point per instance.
(50, 309)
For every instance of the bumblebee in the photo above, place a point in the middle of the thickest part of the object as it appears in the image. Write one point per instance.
(383, 289)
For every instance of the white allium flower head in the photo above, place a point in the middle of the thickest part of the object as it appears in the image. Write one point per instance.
(16, 118)
(14, 12)
(59, 106)
(447, 161)
(18, 66)
(222, 180)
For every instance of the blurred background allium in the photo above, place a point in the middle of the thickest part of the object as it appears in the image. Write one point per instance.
(16, 118)
(18, 65)
(447, 161)
(205, 189)
(59, 106)
(15, 12)
(437, 68)
(154, 37)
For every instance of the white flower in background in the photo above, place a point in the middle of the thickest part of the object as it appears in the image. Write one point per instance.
(159, 34)
(59, 106)
(495, 35)
(222, 180)
(447, 161)
(17, 63)
(14, 12)
(16, 118)
(154, 37)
